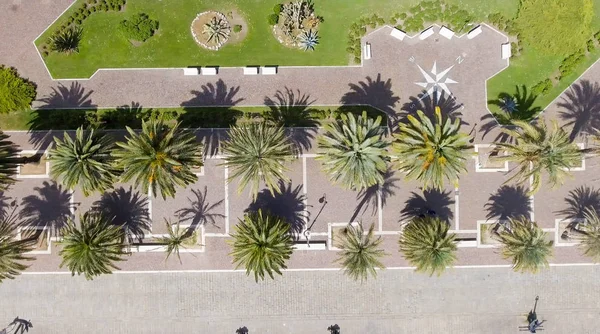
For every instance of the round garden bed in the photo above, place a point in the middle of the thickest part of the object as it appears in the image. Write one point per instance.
(212, 30)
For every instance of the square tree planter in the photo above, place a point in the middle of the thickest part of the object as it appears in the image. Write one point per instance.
(486, 233)
(566, 230)
(37, 165)
(484, 159)
(40, 235)
(334, 229)
(152, 243)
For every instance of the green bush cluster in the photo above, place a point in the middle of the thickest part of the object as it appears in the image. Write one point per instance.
(273, 18)
(16, 93)
(591, 45)
(140, 27)
(569, 64)
(358, 30)
(237, 28)
(542, 87)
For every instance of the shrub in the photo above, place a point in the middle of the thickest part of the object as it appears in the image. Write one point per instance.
(591, 45)
(277, 8)
(237, 28)
(542, 87)
(568, 64)
(561, 27)
(273, 19)
(140, 27)
(66, 41)
(16, 93)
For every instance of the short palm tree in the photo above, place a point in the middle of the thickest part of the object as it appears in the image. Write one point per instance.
(159, 157)
(177, 238)
(353, 151)
(360, 254)
(589, 235)
(92, 248)
(67, 40)
(12, 251)
(431, 151)
(257, 152)
(262, 244)
(426, 244)
(535, 150)
(83, 161)
(308, 40)
(216, 29)
(524, 243)
(8, 161)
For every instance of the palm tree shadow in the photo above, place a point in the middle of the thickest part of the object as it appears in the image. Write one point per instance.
(582, 104)
(217, 94)
(50, 208)
(125, 115)
(291, 109)
(5, 204)
(288, 205)
(579, 200)
(199, 211)
(427, 104)
(125, 208)
(74, 96)
(517, 106)
(508, 202)
(368, 197)
(431, 202)
(376, 93)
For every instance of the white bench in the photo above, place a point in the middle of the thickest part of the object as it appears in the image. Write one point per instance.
(426, 33)
(251, 70)
(397, 33)
(474, 32)
(506, 51)
(208, 71)
(367, 51)
(269, 70)
(190, 71)
(446, 32)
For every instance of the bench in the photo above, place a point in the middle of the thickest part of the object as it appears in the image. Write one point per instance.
(446, 32)
(506, 51)
(208, 71)
(397, 33)
(315, 245)
(190, 71)
(251, 70)
(367, 53)
(426, 33)
(474, 32)
(269, 70)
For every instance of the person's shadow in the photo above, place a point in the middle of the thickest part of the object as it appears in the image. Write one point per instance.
(17, 326)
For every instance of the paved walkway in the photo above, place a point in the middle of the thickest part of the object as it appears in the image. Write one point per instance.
(483, 300)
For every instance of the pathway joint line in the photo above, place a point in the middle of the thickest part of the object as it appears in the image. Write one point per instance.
(226, 199)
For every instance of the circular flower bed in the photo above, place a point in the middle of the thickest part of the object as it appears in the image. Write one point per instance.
(295, 25)
(211, 30)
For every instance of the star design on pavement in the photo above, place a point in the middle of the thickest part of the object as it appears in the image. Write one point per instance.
(435, 81)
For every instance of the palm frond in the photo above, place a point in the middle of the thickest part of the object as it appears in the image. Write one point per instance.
(524, 243)
(216, 29)
(67, 40)
(12, 251)
(8, 161)
(177, 238)
(590, 235)
(360, 254)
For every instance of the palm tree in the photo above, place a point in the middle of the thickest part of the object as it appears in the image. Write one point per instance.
(159, 157)
(262, 244)
(353, 151)
(12, 251)
(217, 29)
(426, 244)
(67, 40)
(84, 161)
(535, 149)
(431, 151)
(92, 248)
(308, 40)
(177, 238)
(589, 235)
(525, 244)
(360, 253)
(257, 152)
(8, 161)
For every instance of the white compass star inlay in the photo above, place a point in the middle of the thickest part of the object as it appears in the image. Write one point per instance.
(435, 81)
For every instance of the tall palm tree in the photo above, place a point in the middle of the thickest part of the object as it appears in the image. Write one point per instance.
(353, 151)
(535, 149)
(160, 157)
(524, 243)
(589, 235)
(257, 152)
(177, 238)
(12, 251)
(431, 151)
(426, 244)
(360, 253)
(92, 248)
(8, 161)
(84, 160)
(262, 244)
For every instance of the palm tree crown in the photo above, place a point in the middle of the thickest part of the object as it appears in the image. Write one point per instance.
(83, 161)
(590, 235)
(159, 157)
(525, 244)
(8, 161)
(257, 152)
(431, 151)
(92, 248)
(262, 244)
(177, 238)
(360, 253)
(12, 251)
(353, 151)
(535, 149)
(426, 244)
